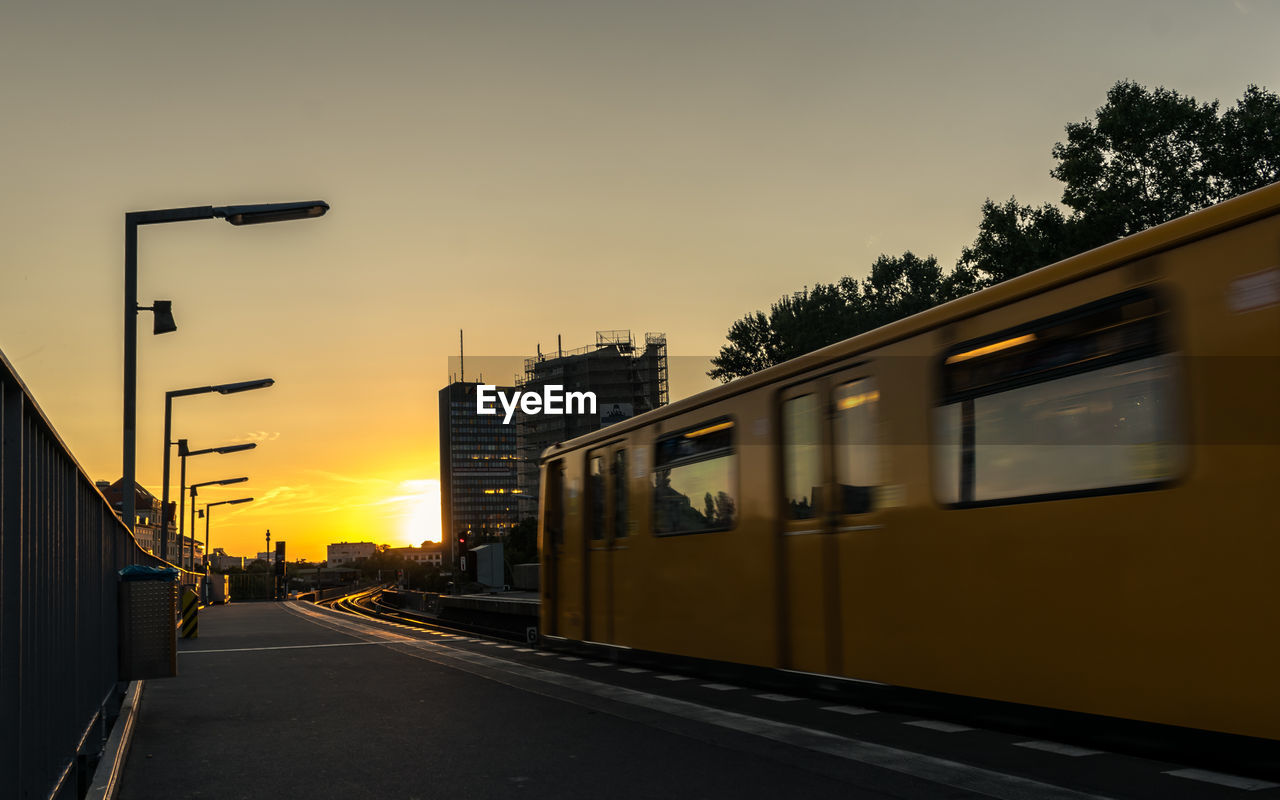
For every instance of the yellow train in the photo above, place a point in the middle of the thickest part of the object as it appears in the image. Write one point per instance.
(1059, 492)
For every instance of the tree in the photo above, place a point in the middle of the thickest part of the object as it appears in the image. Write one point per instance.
(805, 321)
(520, 543)
(1013, 239)
(1147, 157)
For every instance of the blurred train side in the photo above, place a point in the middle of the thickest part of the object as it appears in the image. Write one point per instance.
(1153, 601)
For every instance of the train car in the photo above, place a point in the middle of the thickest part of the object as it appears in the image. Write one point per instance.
(1056, 492)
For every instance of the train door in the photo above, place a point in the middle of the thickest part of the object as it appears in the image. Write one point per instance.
(552, 546)
(608, 529)
(857, 500)
(569, 555)
(810, 568)
(597, 521)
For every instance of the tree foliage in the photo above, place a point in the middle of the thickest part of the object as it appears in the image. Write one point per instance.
(808, 320)
(1147, 157)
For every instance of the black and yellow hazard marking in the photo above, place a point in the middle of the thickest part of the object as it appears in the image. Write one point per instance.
(190, 615)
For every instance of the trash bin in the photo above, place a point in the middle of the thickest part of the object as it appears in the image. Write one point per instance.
(148, 622)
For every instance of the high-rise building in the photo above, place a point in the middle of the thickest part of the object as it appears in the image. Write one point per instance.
(477, 468)
(626, 381)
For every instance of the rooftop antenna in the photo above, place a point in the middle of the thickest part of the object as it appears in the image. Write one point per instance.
(462, 359)
(559, 348)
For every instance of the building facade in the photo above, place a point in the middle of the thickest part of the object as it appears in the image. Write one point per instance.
(430, 553)
(146, 528)
(626, 379)
(349, 552)
(220, 561)
(477, 468)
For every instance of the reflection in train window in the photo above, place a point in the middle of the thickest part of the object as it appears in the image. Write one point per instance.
(553, 512)
(802, 456)
(1080, 405)
(620, 477)
(857, 446)
(595, 492)
(694, 480)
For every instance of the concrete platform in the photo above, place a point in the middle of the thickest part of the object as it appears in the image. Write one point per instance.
(283, 700)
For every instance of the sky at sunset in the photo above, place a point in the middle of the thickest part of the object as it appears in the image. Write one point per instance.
(518, 169)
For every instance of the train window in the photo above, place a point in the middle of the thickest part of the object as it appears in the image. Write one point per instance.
(694, 480)
(595, 490)
(553, 514)
(620, 519)
(1082, 403)
(802, 456)
(857, 450)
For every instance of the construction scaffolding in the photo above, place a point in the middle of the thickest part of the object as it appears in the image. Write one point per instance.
(626, 382)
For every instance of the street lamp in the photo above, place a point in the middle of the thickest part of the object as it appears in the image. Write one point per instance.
(194, 492)
(236, 215)
(207, 515)
(183, 453)
(222, 388)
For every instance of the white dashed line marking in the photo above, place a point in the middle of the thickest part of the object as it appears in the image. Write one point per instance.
(852, 711)
(965, 778)
(1222, 779)
(777, 698)
(506, 647)
(635, 670)
(599, 664)
(942, 727)
(719, 687)
(672, 677)
(1060, 748)
(524, 649)
(569, 658)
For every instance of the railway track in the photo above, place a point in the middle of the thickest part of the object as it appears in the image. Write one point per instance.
(367, 603)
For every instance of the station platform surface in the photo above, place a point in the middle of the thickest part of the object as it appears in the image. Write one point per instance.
(286, 700)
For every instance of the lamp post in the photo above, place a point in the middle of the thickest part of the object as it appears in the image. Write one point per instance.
(194, 492)
(183, 453)
(222, 388)
(236, 215)
(207, 515)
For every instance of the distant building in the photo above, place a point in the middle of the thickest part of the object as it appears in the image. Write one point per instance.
(477, 467)
(222, 562)
(349, 552)
(430, 553)
(626, 381)
(146, 528)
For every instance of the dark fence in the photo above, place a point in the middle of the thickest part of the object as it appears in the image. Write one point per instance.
(61, 546)
(252, 586)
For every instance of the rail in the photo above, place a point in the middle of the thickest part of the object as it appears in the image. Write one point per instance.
(61, 545)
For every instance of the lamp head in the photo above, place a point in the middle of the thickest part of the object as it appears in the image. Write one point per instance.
(271, 212)
(235, 448)
(244, 386)
(163, 313)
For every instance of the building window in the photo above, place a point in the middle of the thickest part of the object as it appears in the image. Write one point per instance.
(1080, 403)
(694, 480)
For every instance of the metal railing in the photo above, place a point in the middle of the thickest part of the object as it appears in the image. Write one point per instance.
(61, 546)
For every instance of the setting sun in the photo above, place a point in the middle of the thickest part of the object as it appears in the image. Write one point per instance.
(422, 522)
